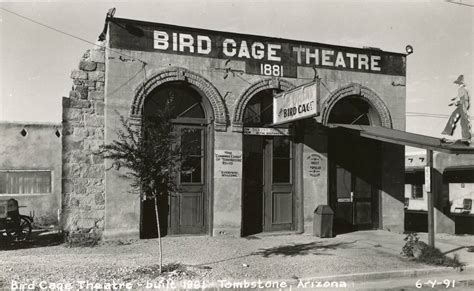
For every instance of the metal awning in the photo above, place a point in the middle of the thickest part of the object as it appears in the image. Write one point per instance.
(404, 138)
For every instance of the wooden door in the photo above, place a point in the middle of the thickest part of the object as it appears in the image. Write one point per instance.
(278, 184)
(188, 206)
(354, 182)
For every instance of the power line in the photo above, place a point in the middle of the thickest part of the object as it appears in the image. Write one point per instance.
(69, 34)
(460, 3)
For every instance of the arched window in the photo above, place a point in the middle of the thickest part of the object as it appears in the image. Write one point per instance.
(184, 102)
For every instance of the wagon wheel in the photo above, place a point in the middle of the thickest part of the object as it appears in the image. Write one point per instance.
(24, 231)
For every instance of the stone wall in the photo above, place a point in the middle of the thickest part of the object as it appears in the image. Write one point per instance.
(83, 185)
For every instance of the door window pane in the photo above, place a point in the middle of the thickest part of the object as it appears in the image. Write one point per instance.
(193, 155)
(281, 155)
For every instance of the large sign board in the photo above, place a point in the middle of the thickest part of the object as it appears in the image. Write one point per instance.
(295, 104)
(262, 55)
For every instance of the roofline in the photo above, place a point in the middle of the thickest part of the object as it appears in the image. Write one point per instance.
(149, 23)
(25, 123)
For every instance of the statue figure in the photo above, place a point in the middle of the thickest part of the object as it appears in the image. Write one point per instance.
(461, 101)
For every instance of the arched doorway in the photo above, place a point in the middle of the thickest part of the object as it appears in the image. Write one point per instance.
(185, 211)
(268, 169)
(354, 173)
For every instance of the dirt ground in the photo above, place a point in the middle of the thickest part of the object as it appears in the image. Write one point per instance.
(209, 259)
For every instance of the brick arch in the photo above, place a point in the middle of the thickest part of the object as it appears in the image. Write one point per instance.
(362, 92)
(174, 74)
(244, 98)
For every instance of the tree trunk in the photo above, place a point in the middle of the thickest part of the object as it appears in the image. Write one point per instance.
(159, 233)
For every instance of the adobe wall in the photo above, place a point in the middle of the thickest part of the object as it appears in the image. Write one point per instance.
(38, 149)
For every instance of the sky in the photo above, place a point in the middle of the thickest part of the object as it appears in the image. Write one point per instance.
(35, 62)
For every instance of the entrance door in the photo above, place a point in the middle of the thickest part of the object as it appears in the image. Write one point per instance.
(354, 183)
(188, 206)
(354, 202)
(267, 184)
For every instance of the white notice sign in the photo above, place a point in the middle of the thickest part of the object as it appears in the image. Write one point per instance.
(428, 179)
(313, 165)
(300, 102)
(227, 164)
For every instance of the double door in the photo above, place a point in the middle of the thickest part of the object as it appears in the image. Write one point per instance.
(354, 183)
(268, 196)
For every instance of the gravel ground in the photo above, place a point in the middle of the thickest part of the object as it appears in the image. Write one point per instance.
(214, 258)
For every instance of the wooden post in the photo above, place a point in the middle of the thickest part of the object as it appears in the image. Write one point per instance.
(430, 189)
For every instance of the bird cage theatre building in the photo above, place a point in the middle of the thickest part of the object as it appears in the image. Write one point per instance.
(249, 175)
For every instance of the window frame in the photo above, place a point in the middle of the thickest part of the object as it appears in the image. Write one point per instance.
(51, 186)
(413, 192)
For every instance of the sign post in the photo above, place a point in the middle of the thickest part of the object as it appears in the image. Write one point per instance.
(429, 189)
(295, 104)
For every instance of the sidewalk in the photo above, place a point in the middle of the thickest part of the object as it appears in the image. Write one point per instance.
(280, 257)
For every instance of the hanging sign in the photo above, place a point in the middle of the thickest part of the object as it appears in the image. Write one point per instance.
(228, 164)
(267, 131)
(298, 103)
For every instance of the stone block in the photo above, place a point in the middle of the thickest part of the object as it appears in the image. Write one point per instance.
(92, 144)
(99, 108)
(96, 95)
(87, 66)
(97, 56)
(83, 90)
(80, 132)
(75, 156)
(74, 94)
(77, 103)
(90, 84)
(67, 186)
(78, 74)
(99, 86)
(71, 171)
(100, 67)
(99, 199)
(97, 76)
(72, 115)
(94, 121)
(78, 82)
(94, 171)
(97, 159)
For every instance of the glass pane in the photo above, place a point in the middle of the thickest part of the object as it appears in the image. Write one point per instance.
(281, 147)
(182, 100)
(191, 141)
(29, 182)
(191, 170)
(281, 170)
(195, 111)
(259, 110)
(192, 150)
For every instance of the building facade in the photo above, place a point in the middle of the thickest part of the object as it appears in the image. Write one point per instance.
(454, 212)
(30, 169)
(248, 176)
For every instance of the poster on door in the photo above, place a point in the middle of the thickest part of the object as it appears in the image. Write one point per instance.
(228, 164)
(313, 165)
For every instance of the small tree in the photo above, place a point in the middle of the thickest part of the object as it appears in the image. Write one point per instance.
(151, 154)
